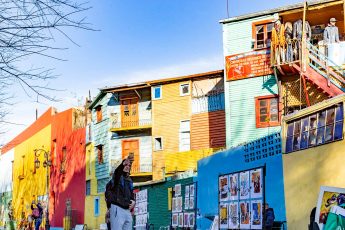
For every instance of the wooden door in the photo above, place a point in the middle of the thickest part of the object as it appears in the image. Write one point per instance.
(129, 112)
(132, 146)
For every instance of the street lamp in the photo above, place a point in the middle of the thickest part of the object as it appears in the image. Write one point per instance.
(46, 164)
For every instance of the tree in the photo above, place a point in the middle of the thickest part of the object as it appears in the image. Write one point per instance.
(27, 28)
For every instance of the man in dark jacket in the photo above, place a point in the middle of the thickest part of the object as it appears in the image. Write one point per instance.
(122, 199)
(269, 217)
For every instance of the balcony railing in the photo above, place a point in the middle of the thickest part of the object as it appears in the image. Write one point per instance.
(117, 125)
(141, 168)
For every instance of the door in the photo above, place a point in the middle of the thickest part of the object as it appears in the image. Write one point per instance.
(132, 146)
(129, 112)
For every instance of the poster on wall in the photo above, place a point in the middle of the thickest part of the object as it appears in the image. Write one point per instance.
(173, 206)
(177, 190)
(223, 215)
(247, 65)
(179, 204)
(191, 203)
(234, 220)
(233, 178)
(330, 198)
(174, 220)
(185, 219)
(186, 193)
(191, 190)
(256, 214)
(223, 188)
(180, 220)
(244, 185)
(256, 183)
(244, 215)
(186, 203)
(191, 219)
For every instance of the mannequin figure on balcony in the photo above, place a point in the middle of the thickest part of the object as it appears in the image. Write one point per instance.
(297, 35)
(278, 43)
(331, 33)
(289, 45)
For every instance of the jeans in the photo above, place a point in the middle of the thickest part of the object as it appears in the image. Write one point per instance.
(289, 53)
(38, 222)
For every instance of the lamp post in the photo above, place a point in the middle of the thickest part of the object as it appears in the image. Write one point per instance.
(46, 164)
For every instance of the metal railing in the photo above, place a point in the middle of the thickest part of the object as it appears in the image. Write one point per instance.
(130, 123)
(290, 51)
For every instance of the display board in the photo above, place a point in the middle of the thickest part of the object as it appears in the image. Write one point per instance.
(183, 206)
(241, 199)
(140, 209)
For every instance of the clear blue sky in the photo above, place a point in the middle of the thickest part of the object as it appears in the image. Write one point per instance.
(138, 40)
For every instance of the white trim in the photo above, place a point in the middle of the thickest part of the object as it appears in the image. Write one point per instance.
(180, 138)
(154, 143)
(153, 92)
(184, 94)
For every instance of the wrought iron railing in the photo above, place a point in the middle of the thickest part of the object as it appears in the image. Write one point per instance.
(131, 123)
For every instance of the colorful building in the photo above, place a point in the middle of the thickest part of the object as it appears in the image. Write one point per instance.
(313, 141)
(55, 139)
(188, 121)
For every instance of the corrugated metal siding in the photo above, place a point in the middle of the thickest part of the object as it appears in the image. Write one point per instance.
(159, 213)
(237, 36)
(208, 130)
(167, 114)
(241, 126)
(101, 134)
(208, 103)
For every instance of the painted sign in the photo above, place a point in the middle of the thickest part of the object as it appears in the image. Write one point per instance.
(247, 65)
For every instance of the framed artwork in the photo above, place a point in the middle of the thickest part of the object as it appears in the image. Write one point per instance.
(328, 197)
(191, 190)
(244, 215)
(223, 215)
(186, 219)
(223, 188)
(234, 220)
(180, 220)
(177, 190)
(179, 204)
(191, 203)
(191, 219)
(186, 203)
(174, 220)
(244, 185)
(256, 214)
(186, 191)
(256, 183)
(173, 206)
(233, 178)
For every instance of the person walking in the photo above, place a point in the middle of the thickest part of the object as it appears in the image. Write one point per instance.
(121, 196)
(269, 217)
(37, 213)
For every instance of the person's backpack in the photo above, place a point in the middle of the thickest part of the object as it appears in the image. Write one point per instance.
(36, 213)
(109, 192)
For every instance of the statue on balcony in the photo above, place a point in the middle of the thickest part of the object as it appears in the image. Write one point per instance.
(278, 43)
(331, 33)
(289, 43)
(297, 35)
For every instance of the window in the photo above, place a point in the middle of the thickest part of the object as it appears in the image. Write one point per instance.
(158, 143)
(184, 136)
(96, 206)
(316, 129)
(63, 160)
(88, 188)
(99, 113)
(184, 89)
(100, 154)
(157, 92)
(267, 111)
(262, 33)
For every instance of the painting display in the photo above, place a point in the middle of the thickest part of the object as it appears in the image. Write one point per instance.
(140, 209)
(242, 193)
(233, 216)
(223, 188)
(256, 183)
(256, 214)
(329, 198)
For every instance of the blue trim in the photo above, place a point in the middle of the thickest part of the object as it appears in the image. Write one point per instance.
(96, 206)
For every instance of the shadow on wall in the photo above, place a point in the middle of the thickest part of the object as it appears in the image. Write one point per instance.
(261, 152)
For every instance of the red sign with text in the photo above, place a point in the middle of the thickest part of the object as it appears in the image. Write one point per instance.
(247, 65)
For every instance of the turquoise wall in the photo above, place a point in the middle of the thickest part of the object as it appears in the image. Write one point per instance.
(240, 95)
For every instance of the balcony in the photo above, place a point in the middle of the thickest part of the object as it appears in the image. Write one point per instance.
(141, 169)
(128, 125)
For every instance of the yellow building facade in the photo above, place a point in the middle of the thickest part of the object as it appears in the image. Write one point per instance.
(29, 183)
(308, 169)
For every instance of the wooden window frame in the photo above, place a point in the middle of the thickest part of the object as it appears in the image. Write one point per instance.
(258, 23)
(99, 115)
(154, 142)
(100, 154)
(184, 94)
(257, 112)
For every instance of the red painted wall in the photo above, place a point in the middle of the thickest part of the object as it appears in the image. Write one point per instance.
(71, 184)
